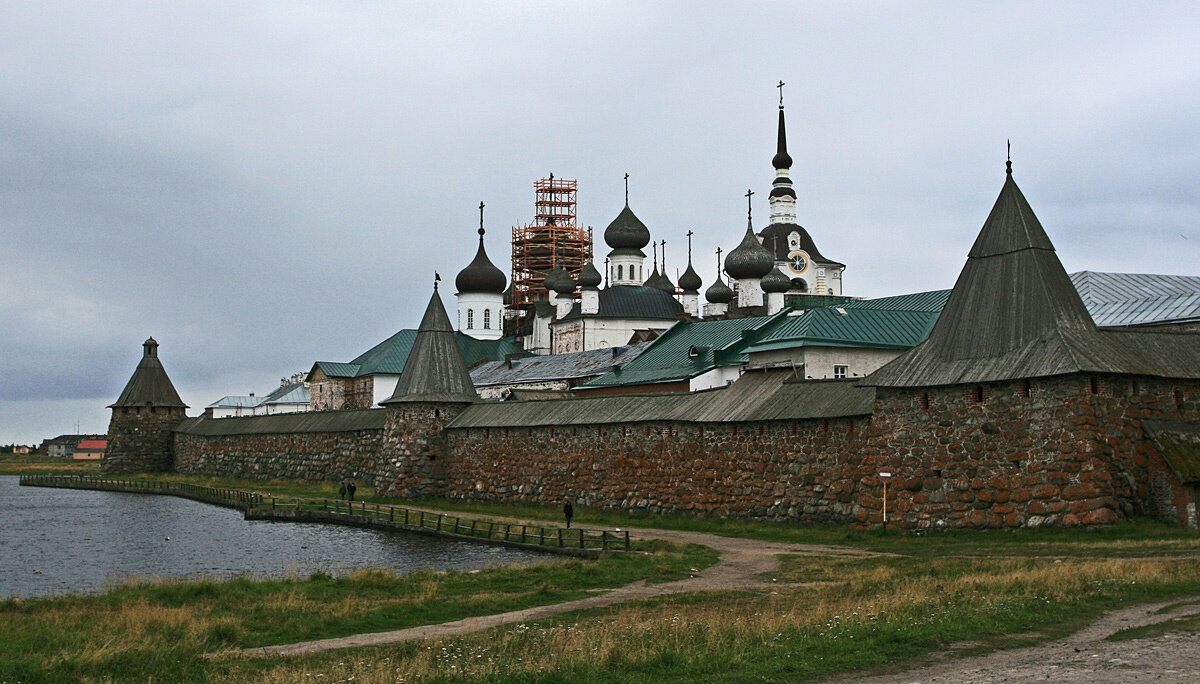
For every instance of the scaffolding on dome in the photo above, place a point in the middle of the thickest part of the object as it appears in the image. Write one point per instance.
(553, 239)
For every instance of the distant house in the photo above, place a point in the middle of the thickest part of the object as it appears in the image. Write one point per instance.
(63, 446)
(371, 376)
(292, 397)
(90, 450)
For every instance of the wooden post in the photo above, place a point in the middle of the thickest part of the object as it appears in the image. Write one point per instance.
(626, 540)
(581, 537)
(560, 540)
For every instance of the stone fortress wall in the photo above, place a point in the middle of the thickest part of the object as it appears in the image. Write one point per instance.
(1064, 450)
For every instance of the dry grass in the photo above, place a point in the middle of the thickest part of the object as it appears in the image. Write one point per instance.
(876, 597)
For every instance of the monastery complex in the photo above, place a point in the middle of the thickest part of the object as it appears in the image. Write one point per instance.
(1022, 397)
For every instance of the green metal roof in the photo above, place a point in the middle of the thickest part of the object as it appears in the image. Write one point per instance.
(335, 369)
(899, 322)
(669, 358)
(389, 356)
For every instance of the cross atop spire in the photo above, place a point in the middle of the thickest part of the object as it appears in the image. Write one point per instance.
(481, 220)
(749, 204)
(1008, 162)
(664, 256)
(689, 237)
(780, 86)
(627, 189)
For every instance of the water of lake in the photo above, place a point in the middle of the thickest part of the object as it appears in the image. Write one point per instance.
(59, 541)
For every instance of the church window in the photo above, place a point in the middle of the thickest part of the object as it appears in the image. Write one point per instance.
(470, 318)
(1026, 388)
(620, 270)
(487, 319)
(839, 372)
(924, 401)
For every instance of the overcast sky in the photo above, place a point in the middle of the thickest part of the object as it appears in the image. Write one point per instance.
(261, 185)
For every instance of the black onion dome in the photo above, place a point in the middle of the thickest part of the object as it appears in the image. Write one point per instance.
(749, 259)
(481, 275)
(589, 276)
(781, 160)
(776, 282)
(563, 284)
(719, 293)
(627, 231)
(663, 282)
(690, 280)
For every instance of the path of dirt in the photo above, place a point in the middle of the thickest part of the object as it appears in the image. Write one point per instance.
(744, 564)
(1081, 657)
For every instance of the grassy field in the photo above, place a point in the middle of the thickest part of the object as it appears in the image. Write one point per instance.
(33, 464)
(962, 591)
(863, 613)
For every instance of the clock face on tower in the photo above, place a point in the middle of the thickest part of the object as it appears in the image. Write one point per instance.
(797, 261)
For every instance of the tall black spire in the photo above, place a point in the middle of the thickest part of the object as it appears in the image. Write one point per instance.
(781, 160)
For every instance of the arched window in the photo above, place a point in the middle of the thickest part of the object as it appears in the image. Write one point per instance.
(487, 319)
(470, 319)
(620, 275)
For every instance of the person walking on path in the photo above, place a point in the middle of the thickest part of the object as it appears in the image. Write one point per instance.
(568, 511)
(342, 491)
(350, 491)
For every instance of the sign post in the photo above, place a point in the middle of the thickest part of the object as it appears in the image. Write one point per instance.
(885, 476)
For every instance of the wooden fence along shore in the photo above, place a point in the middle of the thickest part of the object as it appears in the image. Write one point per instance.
(575, 541)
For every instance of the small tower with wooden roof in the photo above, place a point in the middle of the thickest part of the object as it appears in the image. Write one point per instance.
(149, 408)
(432, 390)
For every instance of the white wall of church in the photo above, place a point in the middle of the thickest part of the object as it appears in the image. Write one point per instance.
(591, 333)
(481, 315)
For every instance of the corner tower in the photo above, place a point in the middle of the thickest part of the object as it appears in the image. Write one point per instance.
(139, 433)
(432, 390)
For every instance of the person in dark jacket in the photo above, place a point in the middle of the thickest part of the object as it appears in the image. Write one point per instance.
(350, 491)
(342, 490)
(568, 511)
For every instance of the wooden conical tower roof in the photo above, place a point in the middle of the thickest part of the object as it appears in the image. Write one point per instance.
(434, 371)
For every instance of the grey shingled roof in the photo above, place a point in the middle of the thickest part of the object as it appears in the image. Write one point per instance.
(149, 385)
(283, 423)
(434, 370)
(1130, 299)
(1014, 313)
(584, 364)
(758, 395)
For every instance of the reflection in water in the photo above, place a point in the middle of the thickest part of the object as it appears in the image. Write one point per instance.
(56, 541)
